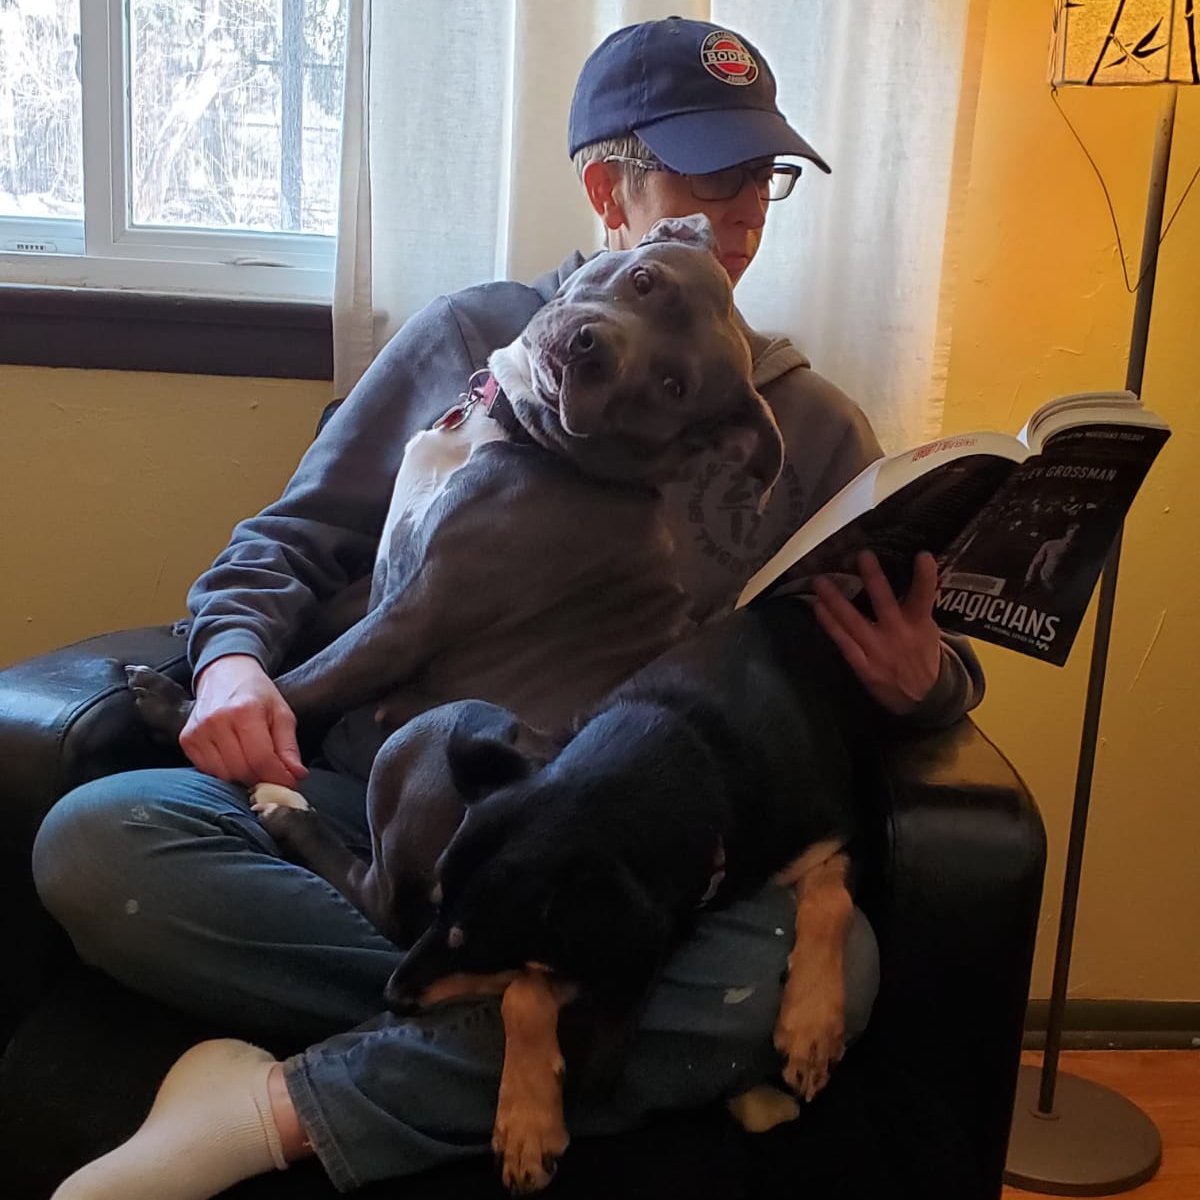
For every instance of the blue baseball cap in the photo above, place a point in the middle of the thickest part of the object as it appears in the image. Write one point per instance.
(700, 96)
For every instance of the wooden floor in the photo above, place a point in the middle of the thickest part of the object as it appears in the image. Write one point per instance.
(1165, 1084)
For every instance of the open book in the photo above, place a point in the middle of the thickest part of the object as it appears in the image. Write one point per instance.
(1020, 526)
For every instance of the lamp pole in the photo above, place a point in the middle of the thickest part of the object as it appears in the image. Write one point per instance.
(1094, 1142)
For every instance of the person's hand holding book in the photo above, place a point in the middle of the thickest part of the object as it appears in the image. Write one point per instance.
(898, 656)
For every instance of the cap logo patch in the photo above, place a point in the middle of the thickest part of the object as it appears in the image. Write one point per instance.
(727, 59)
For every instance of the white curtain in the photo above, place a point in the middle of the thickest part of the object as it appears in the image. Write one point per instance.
(454, 171)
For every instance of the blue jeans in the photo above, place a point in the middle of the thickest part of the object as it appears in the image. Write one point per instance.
(165, 880)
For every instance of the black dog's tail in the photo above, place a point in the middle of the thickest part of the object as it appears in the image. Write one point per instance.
(164, 705)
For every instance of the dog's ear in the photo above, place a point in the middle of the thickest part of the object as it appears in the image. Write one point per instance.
(609, 932)
(695, 230)
(750, 437)
(489, 748)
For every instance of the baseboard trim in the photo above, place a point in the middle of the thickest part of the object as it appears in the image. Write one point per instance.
(1118, 1025)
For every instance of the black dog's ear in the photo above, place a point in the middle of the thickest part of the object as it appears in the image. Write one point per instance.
(611, 934)
(695, 230)
(488, 748)
(608, 934)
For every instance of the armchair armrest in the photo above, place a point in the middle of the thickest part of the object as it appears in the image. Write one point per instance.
(956, 915)
(65, 717)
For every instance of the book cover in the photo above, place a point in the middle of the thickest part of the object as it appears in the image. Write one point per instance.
(1022, 572)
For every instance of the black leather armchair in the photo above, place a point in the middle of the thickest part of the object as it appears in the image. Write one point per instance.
(920, 1107)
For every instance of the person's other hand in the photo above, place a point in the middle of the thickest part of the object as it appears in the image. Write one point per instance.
(241, 728)
(898, 656)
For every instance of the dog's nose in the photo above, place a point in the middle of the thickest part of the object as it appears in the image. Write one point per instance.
(584, 343)
(399, 995)
(401, 1001)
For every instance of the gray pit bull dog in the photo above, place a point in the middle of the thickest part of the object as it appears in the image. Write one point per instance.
(525, 559)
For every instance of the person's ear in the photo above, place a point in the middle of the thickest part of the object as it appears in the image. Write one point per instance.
(602, 182)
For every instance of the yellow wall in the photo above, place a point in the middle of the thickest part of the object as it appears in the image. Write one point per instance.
(116, 489)
(1041, 310)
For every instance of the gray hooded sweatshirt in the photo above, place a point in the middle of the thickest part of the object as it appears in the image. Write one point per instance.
(285, 566)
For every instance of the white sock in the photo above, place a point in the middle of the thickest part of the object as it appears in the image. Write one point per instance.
(210, 1127)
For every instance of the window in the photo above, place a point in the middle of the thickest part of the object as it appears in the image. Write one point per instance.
(171, 145)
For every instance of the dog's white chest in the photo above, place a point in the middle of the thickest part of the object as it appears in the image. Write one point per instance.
(430, 458)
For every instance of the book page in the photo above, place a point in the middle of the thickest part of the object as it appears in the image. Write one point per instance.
(927, 514)
(897, 481)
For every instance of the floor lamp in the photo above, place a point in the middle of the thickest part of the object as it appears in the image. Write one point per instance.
(1071, 1137)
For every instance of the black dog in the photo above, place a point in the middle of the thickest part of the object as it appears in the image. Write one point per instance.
(728, 760)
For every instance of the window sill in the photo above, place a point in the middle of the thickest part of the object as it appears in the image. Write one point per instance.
(139, 331)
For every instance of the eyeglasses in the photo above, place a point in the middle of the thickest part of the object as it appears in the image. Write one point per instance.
(772, 180)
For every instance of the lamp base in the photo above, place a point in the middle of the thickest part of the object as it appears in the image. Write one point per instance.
(1094, 1143)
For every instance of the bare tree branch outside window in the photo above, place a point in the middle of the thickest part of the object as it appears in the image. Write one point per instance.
(41, 114)
(234, 115)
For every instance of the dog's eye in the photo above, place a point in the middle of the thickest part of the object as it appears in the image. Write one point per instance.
(673, 387)
(643, 281)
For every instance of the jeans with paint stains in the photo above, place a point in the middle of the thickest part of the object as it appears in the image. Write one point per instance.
(165, 880)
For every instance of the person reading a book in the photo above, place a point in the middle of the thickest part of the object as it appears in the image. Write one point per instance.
(165, 879)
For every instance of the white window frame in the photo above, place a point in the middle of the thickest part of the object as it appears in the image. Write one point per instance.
(105, 251)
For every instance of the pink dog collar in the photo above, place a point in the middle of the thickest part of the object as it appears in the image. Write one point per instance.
(482, 388)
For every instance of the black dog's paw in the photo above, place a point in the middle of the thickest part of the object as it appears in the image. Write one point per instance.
(810, 1031)
(528, 1150)
(163, 704)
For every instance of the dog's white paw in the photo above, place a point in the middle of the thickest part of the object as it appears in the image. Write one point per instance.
(762, 1108)
(267, 797)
